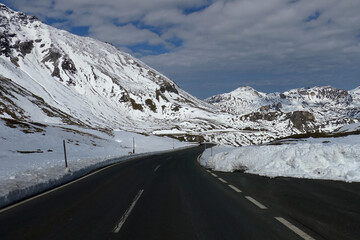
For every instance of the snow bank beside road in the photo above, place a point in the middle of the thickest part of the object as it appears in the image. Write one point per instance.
(335, 159)
(34, 162)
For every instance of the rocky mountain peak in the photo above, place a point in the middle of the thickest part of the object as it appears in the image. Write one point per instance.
(320, 94)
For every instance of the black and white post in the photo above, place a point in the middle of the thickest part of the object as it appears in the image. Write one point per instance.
(133, 145)
(66, 163)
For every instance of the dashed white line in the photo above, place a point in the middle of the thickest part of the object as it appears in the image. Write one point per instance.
(255, 202)
(294, 228)
(127, 213)
(208, 170)
(234, 188)
(222, 180)
(157, 167)
(214, 174)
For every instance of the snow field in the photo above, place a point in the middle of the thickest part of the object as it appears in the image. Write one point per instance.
(332, 159)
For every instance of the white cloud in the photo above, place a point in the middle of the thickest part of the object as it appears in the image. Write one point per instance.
(124, 35)
(227, 35)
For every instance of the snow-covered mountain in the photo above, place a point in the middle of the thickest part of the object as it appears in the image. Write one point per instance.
(326, 108)
(51, 77)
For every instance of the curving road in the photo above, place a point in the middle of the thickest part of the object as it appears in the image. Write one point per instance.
(169, 196)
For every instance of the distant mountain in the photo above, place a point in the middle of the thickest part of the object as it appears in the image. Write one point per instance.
(309, 109)
(51, 77)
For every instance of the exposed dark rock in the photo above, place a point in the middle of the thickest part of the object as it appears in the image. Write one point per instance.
(38, 40)
(42, 45)
(68, 65)
(168, 88)
(282, 96)
(56, 73)
(26, 47)
(33, 19)
(301, 120)
(124, 98)
(265, 108)
(159, 94)
(70, 82)
(269, 116)
(135, 105)
(23, 18)
(277, 106)
(52, 56)
(150, 104)
(176, 108)
(15, 60)
(5, 46)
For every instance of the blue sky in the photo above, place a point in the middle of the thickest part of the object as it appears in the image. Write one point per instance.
(214, 46)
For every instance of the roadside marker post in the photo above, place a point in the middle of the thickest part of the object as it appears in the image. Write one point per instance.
(133, 144)
(66, 163)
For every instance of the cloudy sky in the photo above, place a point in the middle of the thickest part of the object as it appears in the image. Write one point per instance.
(215, 46)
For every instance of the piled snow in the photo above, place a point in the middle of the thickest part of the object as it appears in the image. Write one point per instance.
(36, 163)
(330, 158)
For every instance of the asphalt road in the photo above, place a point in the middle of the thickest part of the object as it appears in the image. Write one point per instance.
(170, 196)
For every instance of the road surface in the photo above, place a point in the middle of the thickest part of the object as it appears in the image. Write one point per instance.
(169, 196)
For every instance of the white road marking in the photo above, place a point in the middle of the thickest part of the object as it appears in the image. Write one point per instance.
(222, 180)
(234, 188)
(127, 213)
(214, 174)
(55, 189)
(255, 202)
(157, 167)
(294, 228)
(208, 171)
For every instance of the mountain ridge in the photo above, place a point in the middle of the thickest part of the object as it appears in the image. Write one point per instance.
(51, 76)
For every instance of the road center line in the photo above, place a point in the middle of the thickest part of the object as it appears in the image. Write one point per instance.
(157, 167)
(214, 174)
(255, 202)
(127, 213)
(222, 180)
(294, 228)
(234, 188)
